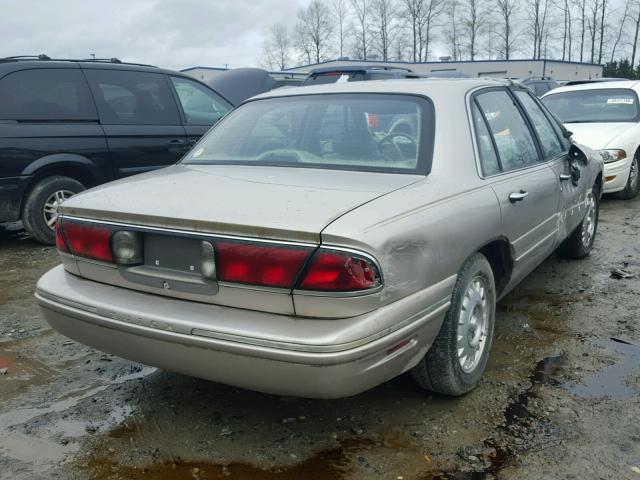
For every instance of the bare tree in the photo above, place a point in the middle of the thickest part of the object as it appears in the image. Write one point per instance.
(303, 44)
(592, 26)
(453, 30)
(433, 9)
(473, 19)
(277, 47)
(314, 23)
(340, 11)
(635, 39)
(384, 13)
(582, 10)
(413, 13)
(361, 12)
(625, 15)
(602, 25)
(507, 11)
(538, 13)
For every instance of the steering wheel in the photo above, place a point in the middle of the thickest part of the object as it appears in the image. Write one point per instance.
(390, 139)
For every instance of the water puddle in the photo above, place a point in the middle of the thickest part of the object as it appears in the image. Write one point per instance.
(330, 464)
(612, 381)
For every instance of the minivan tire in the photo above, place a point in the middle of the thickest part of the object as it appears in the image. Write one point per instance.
(33, 217)
(441, 369)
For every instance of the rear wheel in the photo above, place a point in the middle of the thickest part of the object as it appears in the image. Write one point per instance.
(457, 359)
(580, 242)
(632, 187)
(42, 203)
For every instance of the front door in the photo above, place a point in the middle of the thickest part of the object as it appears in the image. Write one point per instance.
(523, 183)
(140, 119)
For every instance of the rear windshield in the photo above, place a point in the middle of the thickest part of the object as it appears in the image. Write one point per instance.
(367, 132)
(594, 106)
(333, 77)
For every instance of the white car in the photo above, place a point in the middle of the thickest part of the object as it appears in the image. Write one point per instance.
(606, 117)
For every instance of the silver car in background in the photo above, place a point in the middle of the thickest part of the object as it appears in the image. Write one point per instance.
(322, 240)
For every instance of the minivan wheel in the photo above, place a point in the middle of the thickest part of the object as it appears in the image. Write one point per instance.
(580, 242)
(632, 187)
(41, 206)
(457, 359)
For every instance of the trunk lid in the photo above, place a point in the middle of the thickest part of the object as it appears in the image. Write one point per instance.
(279, 203)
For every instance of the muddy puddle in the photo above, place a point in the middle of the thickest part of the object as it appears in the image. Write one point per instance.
(615, 380)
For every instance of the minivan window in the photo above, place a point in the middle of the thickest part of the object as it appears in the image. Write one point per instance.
(596, 105)
(333, 131)
(200, 105)
(512, 137)
(132, 98)
(46, 94)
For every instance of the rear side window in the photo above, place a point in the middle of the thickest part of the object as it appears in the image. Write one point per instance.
(488, 157)
(133, 98)
(201, 106)
(46, 94)
(549, 142)
(515, 145)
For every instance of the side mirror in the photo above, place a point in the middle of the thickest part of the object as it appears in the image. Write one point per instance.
(575, 154)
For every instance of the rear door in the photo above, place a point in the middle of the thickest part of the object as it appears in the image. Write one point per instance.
(525, 186)
(140, 119)
(199, 105)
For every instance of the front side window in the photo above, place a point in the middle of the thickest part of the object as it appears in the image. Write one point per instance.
(132, 98)
(598, 105)
(511, 135)
(368, 132)
(200, 105)
(46, 94)
(549, 141)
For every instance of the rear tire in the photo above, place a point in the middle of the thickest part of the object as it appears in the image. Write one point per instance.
(40, 207)
(632, 187)
(580, 242)
(458, 357)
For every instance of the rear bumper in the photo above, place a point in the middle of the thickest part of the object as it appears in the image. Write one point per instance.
(620, 172)
(188, 338)
(11, 193)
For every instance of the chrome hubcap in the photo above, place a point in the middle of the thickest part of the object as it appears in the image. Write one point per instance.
(589, 222)
(473, 322)
(51, 206)
(633, 174)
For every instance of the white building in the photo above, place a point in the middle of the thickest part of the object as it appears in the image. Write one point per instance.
(556, 69)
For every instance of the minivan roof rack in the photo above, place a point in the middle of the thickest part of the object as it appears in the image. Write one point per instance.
(43, 57)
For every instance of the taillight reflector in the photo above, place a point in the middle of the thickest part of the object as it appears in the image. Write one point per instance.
(259, 264)
(340, 271)
(88, 240)
(60, 244)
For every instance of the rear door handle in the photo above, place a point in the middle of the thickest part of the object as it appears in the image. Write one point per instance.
(564, 177)
(518, 196)
(176, 141)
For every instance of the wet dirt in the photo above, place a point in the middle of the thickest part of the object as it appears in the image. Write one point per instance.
(559, 399)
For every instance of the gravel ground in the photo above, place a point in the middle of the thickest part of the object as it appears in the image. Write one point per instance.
(560, 399)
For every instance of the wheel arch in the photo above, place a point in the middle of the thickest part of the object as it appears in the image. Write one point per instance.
(64, 164)
(499, 254)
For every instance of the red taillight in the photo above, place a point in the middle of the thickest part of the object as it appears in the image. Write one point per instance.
(60, 244)
(88, 240)
(259, 264)
(340, 271)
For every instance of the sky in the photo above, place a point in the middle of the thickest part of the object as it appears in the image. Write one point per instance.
(168, 33)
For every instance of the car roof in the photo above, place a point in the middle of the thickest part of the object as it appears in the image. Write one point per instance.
(631, 84)
(358, 68)
(14, 64)
(431, 87)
